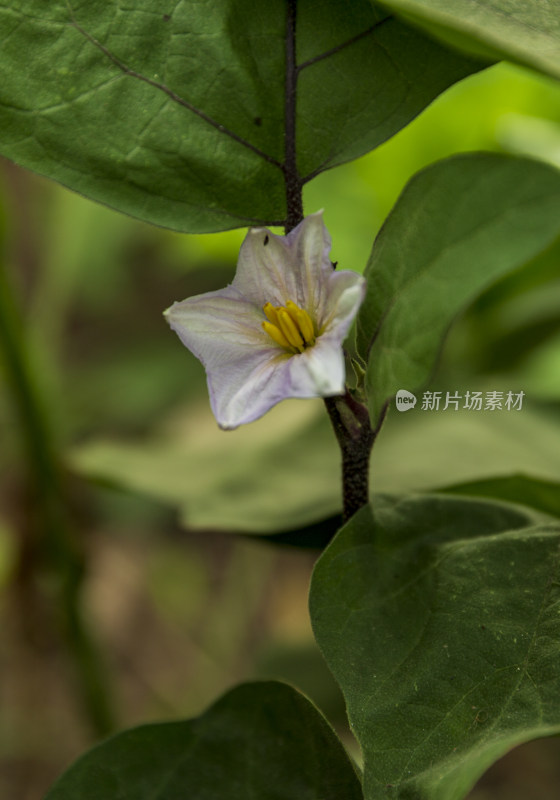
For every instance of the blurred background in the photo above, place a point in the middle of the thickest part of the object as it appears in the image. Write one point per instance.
(140, 576)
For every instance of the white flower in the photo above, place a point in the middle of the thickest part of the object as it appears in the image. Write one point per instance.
(277, 330)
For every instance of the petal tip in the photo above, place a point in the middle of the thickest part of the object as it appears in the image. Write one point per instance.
(224, 426)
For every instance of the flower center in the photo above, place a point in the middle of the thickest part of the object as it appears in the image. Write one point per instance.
(290, 326)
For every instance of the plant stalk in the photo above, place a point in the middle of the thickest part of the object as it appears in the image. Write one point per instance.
(48, 514)
(352, 428)
(292, 180)
(349, 418)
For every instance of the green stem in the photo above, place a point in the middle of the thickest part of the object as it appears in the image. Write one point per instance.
(48, 511)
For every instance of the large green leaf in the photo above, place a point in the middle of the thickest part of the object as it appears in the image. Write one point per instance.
(527, 31)
(177, 113)
(421, 451)
(439, 617)
(458, 225)
(247, 480)
(264, 741)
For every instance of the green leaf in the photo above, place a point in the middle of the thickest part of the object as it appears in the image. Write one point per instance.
(457, 227)
(464, 446)
(439, 617)
(526, 31)
(366, 91)
(180, 116)
(263, 740)
(534, 492)
(248, 480)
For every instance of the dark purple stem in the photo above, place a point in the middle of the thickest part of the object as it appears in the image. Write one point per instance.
(293, 183)
(349, 418)
(355, 436)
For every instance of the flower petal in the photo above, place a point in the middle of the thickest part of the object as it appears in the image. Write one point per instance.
(246, 387)
(224, 331)
(345, 293)
(280, 268)
(207, 321)
(319, 371)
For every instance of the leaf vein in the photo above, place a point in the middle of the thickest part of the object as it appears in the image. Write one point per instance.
(132, 73)
(344, 45)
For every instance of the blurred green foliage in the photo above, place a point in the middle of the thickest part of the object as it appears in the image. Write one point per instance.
(96, 283)
(130, 410)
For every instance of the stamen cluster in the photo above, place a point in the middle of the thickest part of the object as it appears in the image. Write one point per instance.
(290, 326)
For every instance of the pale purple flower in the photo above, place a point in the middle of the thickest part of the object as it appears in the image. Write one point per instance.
(277, 331)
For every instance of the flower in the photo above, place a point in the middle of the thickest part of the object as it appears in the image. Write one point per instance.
(277, 330)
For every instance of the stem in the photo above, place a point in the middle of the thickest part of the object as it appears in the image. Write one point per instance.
(48, 514)
(293, 183)
(350, 420)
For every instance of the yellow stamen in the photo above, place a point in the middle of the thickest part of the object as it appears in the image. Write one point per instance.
(303, 321)
(271, 313)
(289, 326)
(276, 334)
